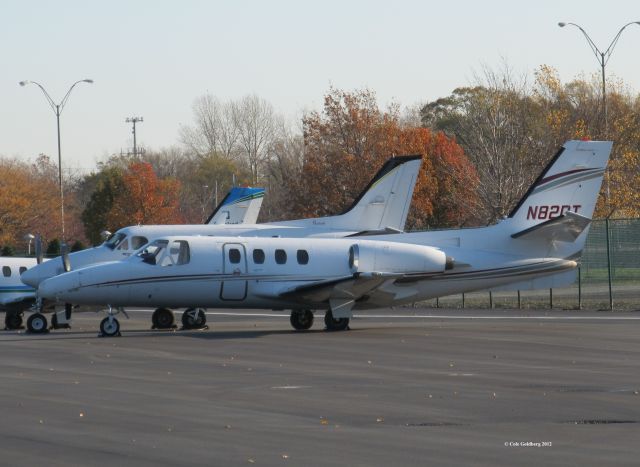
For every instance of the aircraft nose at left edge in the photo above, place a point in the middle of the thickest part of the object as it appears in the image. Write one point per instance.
(32, 277)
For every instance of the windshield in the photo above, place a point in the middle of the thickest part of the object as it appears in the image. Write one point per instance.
(114, 240)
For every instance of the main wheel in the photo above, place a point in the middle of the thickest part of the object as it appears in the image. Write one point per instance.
(163, 318)
(194, 318)
(109, 327)
(301, 320)
(13, 320)
(37, 323)
(335, 324)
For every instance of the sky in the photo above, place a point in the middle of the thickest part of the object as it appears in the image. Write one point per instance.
(152, 59)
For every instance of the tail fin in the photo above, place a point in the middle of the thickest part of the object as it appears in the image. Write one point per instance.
(385, 201)
(240, 206)
(570, 182)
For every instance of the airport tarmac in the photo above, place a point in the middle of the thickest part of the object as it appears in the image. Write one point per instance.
(402, 387)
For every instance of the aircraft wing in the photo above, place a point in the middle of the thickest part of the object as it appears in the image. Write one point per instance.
(341, 293)
(565, 228)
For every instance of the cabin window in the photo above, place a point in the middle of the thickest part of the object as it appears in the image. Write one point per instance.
(281, 256)
(22, 269)
(234, 256)
(303, 256)
(6, 271)
(258, 256)
(138, 242)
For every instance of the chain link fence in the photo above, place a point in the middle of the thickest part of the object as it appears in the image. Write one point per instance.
(608, 277)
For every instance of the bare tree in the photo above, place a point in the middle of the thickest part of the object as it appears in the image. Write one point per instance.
(497, 122)
(257, 126)
(214, 131)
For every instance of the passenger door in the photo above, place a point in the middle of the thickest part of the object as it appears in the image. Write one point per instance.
(234, 260)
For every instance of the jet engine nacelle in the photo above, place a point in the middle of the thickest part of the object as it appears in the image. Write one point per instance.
(396, 258)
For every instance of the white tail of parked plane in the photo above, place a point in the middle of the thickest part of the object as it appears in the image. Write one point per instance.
(553, 218)
(559, 205)
(240, 206)
(382, 206)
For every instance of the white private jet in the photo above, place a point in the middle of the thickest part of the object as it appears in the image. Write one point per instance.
(15, 297)
(536, 246)
(381, 208)
(240, 205)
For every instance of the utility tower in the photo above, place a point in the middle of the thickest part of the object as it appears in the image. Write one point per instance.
(133, 121)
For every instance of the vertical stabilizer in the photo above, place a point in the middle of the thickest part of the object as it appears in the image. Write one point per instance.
(385, 201)
(570, 183)
(240, 206)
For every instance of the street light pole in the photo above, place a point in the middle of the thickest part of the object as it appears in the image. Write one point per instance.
(57, 109)
(603, 58)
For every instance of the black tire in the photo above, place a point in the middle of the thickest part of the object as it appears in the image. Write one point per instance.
(301, 320)
(13, 320)
(37, 323)
(109, 328)
(189, 322)
(335, 324)
(163, 318)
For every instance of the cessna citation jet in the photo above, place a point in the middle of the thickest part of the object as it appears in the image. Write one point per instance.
(240, 205)
(381, 208)
(536, 246)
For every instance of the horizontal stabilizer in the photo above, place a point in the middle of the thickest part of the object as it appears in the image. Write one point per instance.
(369, 233)
(564, 228)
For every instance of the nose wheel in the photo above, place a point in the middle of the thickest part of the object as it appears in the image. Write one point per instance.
(109, 327)
(37, 324)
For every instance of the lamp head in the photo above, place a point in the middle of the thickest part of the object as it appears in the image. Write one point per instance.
(90, 81)
(562, 24)
(24, 83)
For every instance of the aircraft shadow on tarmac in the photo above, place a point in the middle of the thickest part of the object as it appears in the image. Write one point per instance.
(145, 333)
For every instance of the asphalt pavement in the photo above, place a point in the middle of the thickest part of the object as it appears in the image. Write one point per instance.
(402, 387)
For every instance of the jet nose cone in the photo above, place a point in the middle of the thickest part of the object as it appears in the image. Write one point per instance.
(31, 277)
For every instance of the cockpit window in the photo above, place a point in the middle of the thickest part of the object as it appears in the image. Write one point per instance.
(162, 253)
(124, 245)
(137, 242)
(114, 240)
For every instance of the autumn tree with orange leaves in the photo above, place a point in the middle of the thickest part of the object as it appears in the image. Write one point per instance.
(145, 199)
(128, 197)
(346, 143)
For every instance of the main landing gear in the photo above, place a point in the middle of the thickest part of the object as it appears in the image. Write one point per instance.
(13, 320)
(335, 324)
(194, 318)
(301, 320)
(163, 318)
